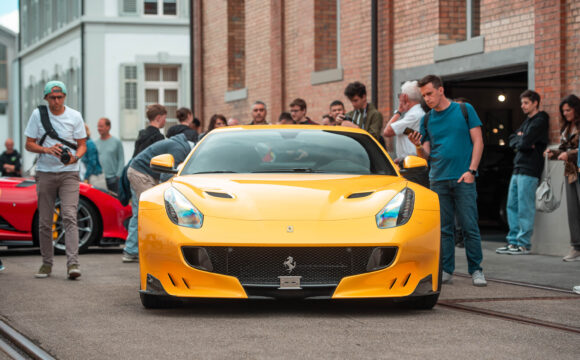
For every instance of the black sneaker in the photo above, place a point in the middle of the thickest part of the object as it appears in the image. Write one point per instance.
(520, 250)
(505, 249)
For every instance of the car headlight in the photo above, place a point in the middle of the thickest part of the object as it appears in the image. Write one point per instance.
(181, 211)
(398, 211)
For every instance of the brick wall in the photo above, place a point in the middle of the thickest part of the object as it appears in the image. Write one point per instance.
(281, 48)
(507, 24)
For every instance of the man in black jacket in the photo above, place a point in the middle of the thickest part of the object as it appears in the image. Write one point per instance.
(157, 114)
(529, 142)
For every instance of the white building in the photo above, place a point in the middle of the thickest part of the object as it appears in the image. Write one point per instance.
(115, 56)
(8, 49)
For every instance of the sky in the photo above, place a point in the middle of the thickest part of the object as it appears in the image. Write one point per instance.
(9, 14)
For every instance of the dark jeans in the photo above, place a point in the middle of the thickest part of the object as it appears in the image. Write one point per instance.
(458, 199)
(113, 184)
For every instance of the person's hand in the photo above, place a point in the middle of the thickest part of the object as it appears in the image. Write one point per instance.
(339, 119)
(415, 138)
(519, 133)
(548, 152)
(467, 177)
(55, 150)
(563, 156)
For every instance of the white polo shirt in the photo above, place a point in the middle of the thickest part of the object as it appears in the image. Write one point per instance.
(411, 119)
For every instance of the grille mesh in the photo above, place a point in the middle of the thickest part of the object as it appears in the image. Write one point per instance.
(263, 265)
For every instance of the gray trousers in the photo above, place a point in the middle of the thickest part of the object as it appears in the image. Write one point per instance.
(573, 203)
(65, 186)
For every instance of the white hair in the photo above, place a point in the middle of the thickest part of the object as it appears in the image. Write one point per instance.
(412, 90)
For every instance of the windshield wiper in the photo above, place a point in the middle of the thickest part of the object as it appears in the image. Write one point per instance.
(216, 172)
(294, 170)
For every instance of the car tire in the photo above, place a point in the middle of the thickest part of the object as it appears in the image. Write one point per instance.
(426, 302)
(89, 224)
(156, 301)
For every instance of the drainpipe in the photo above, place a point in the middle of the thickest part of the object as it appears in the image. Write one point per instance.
(191, 56)
(374, 53)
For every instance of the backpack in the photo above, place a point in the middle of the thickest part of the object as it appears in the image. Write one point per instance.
(124, 190)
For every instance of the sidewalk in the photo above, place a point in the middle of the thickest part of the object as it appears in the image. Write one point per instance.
(542, 270)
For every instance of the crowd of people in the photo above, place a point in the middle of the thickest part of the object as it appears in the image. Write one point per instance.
(426, 123)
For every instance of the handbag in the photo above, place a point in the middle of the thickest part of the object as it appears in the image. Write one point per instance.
(546, 200)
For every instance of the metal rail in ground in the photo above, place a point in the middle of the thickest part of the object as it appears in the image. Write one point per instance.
(21, 343)
(460, 304)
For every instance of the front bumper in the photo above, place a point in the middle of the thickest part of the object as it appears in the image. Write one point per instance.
(413, 271)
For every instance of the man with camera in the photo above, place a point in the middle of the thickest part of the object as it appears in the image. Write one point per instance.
(58, 135)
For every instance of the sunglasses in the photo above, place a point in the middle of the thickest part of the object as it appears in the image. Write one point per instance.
(59, 97)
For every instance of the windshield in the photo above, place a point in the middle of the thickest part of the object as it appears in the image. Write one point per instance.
(288, 150)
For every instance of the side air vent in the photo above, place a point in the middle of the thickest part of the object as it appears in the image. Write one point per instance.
(219, 195)
(359, 195)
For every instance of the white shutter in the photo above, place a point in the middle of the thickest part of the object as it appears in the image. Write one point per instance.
(128, 102)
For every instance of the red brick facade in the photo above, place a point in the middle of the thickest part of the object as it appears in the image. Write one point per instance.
(287, 42)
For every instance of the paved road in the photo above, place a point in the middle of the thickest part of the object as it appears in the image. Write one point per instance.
(100, 317)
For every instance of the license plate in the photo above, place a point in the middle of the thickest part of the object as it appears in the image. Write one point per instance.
(289, 282)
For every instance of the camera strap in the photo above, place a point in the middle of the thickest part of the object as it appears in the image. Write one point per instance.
(49, 130)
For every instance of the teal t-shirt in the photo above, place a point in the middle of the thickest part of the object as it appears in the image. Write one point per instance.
(451, 146)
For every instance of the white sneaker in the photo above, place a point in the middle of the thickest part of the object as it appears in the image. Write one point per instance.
(446, 278)
(573, 255)
(478, 279)
(576, 289)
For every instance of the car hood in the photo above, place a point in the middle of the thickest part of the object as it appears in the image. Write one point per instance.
(289, 196)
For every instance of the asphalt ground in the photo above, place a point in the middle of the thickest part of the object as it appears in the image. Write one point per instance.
(100, 316)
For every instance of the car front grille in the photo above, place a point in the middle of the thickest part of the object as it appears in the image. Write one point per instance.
(263, 265)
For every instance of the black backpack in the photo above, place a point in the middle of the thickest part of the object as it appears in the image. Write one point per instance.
(124, 190)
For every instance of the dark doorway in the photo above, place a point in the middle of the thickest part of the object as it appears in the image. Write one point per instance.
(500, 119)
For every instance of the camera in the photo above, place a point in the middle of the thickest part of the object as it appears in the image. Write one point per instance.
(65, 155)
(346, 117)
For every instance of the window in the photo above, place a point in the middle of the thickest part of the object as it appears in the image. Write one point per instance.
(236, 45)
(162, 87)
(325, 35)
(3, 67)
(160, 7)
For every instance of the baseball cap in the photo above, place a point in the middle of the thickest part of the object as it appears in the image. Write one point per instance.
(54, 83)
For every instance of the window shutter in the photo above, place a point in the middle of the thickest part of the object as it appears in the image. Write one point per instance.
(129, 7)
(128, 102)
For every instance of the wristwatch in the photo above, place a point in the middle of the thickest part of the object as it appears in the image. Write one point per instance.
(77, 158)
(397, 112)
(472, 172)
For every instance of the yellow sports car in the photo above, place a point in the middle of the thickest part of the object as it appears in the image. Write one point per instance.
(288, 211)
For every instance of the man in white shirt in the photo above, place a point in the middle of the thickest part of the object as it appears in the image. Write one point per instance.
(57, 174)
(408, 115)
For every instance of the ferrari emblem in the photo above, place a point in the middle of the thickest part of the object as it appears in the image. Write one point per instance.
(290, 264)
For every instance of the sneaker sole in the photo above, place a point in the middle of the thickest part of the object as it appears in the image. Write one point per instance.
(480, 285)
(520, 253)
(571, 260)
(41, 276)
(74, 274)
(130, 260)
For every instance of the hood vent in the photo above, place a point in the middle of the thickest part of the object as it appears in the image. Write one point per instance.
(359, 195)
(219, 195)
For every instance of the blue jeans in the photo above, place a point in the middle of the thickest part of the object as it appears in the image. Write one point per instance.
(521, 209)
(132, 244)
(458, 199)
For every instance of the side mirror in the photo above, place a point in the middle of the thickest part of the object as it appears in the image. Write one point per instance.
(411, 162)
(163, 164)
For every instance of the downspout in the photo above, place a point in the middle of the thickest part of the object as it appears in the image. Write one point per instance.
(191, 56)
(82, 87)
(374, 53)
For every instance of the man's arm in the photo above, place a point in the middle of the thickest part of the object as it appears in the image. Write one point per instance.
(534, 133)
(422, 150)
(33, 147)
(477, 140)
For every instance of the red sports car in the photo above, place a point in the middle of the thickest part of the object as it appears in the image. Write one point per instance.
(101, 217)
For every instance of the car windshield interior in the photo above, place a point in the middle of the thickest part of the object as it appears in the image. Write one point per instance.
(288, 151)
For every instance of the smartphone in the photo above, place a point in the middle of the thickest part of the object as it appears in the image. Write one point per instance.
(408, 131)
